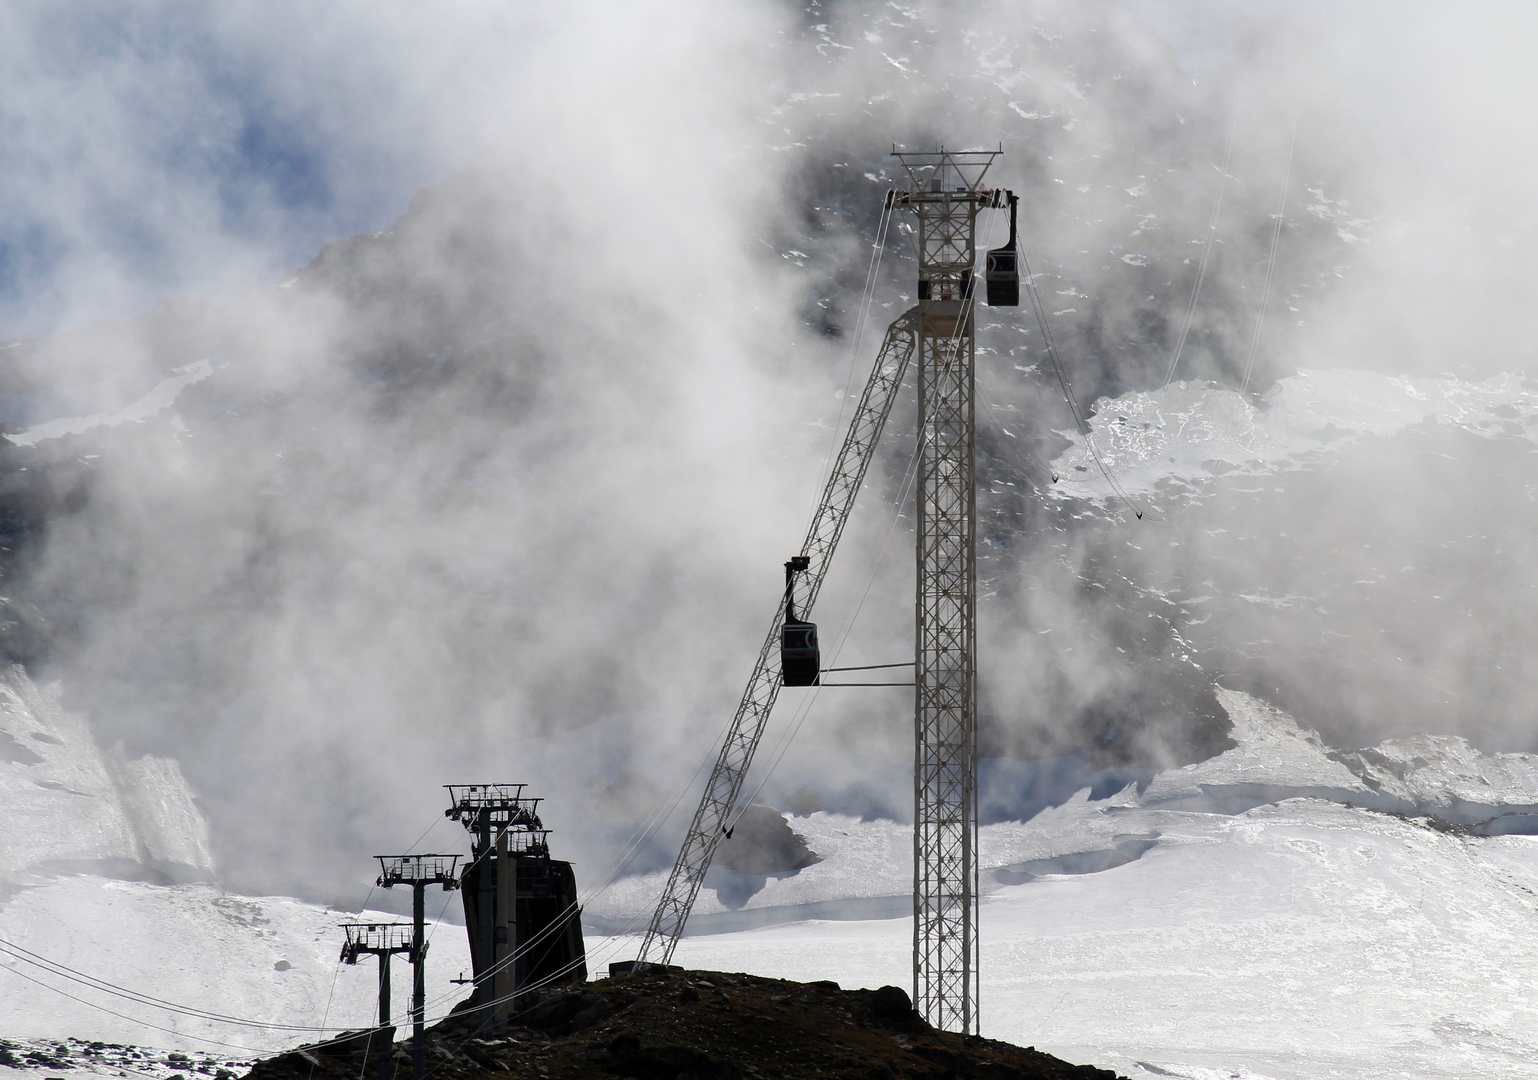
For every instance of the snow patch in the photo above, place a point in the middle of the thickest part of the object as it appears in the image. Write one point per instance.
(1161, 440)
(163, 396)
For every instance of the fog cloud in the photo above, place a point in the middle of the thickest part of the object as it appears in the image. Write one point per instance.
(500, 490)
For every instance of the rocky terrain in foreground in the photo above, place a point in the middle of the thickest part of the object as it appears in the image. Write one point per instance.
(695, 1025)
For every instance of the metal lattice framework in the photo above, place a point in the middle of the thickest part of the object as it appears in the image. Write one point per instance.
(714, 815)
(417, 870)
(946, 194)
(382, 940)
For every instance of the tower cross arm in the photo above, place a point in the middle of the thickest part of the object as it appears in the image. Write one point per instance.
(983, 198)
(418, 870)
(376, 939)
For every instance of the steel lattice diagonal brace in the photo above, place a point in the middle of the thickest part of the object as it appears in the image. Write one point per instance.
(714, 815)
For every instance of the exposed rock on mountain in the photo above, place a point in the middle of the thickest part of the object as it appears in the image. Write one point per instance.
(697, 1025)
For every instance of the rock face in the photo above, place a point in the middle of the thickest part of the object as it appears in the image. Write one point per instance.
(762, 842)
(761, 845)
(700, 1025)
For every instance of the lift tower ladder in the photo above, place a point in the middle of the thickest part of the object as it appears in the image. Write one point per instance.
(714, 815)
(946, 193)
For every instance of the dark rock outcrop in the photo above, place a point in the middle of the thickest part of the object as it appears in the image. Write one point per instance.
(699, 1025)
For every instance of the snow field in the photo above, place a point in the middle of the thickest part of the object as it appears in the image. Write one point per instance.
(267, 959)
(1305, 940)
(1235, 918)
(1187, 432)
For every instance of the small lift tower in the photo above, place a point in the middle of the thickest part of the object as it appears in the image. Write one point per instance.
(418, 871)
(382, 940)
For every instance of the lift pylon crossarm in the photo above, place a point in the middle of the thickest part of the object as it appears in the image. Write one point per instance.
(494, 806)
(418, 870)
(375, 938)
(713, 817)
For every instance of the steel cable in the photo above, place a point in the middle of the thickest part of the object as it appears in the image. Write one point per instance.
(1201, 266)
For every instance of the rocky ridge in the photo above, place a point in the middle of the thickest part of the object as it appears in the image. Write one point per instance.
(695, 1025)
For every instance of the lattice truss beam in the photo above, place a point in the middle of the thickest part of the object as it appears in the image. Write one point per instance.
(724, 788)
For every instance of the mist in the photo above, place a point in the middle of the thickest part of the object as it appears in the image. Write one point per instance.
(526, 334)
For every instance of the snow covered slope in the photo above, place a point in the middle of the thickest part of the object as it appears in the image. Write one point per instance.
(1169, 440)
(866, 866)
(1297, 941)
(271, 961)
(103, 868)
(69, 804)
(1235, 919)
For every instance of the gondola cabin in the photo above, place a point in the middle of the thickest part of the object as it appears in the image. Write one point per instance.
(1002, 272)
(800, 658)
(1003, 278)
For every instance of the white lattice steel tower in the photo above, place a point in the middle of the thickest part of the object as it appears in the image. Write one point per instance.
(946, 194)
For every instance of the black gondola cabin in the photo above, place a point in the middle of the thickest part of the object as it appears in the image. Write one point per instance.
(1002, 271)
(800, 658)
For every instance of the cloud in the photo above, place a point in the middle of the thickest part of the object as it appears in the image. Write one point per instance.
(501, 489)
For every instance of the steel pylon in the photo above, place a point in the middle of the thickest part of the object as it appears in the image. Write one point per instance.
(946, 194)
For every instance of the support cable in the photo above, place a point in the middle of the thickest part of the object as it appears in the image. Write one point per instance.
(1276, 236)
(1080, 420)
(134, 1020)
(910, 474)
(725, 783)
(70, 974)
(1212, 230)
(862, 316)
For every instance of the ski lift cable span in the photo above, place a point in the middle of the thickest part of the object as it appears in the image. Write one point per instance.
(1276, 236)
(910, 474)
(1080, 420)
(862, 316)
(1201, 266)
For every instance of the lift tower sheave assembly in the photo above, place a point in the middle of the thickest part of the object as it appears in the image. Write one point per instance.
(946, 194)
(718, 804)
